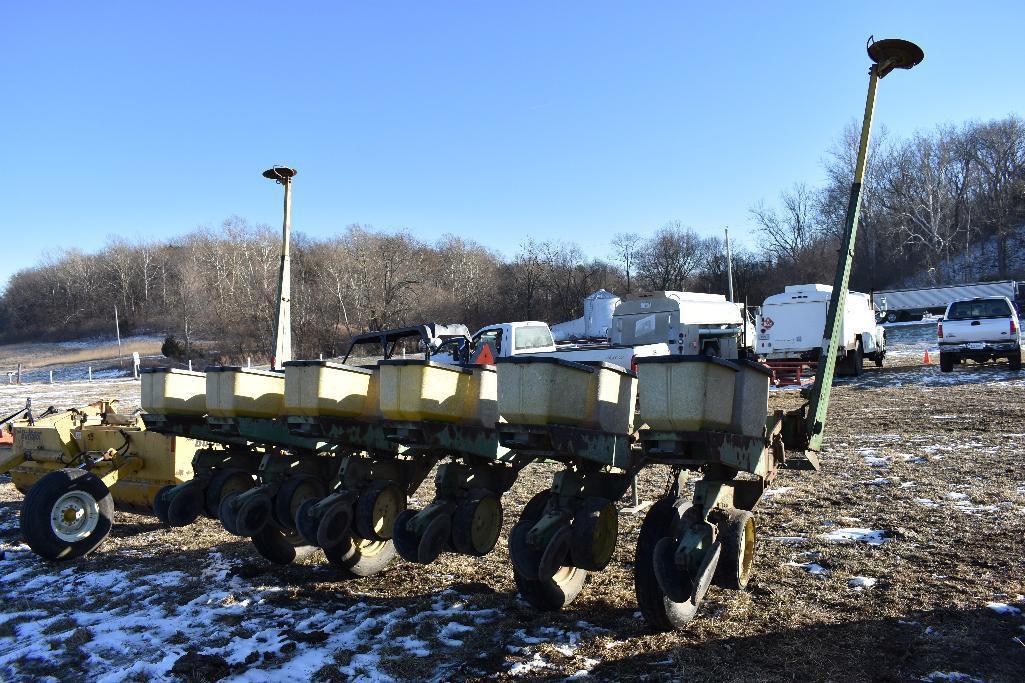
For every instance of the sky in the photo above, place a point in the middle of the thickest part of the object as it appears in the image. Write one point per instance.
(568, 121)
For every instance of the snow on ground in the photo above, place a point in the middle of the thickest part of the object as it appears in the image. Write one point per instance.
(857, 535)
(152, 619)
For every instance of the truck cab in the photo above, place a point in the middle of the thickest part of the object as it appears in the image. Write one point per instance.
(981, 329)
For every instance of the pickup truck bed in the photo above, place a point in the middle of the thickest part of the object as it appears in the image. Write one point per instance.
(981, 330)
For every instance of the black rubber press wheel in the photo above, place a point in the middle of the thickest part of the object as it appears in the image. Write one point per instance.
(548, 594)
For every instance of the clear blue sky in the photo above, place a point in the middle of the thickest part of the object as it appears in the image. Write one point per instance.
(568, 121)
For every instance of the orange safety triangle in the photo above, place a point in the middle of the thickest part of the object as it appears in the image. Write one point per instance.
(485, 357)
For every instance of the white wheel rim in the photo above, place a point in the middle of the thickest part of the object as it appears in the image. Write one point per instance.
(74, 516)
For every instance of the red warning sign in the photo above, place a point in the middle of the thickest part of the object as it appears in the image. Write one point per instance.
(485, 357)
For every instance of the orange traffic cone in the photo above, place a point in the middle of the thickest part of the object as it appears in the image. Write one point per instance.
(925, 360)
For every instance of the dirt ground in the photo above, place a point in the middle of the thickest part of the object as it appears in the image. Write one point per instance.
(902, 559)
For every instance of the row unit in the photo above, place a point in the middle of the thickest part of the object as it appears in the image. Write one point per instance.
(680, 393)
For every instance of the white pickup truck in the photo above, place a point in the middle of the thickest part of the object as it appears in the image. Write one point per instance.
(534, 338)
(980, 329)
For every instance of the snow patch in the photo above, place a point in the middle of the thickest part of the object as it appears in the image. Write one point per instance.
(857, 535)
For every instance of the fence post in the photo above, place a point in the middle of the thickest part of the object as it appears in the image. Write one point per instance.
(19, 373)
(90, 373)
(190, 365)
(51, 376)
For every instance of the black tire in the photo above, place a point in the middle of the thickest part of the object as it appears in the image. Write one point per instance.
(360, 558)
(61, 493)
(161, 502)
(376, 510)
(222, 483)
(477, 523)
(858, 361)
(186, 505)
(556, 592)
(946, 362)
(281, 546)
(226, 512)
(891, 316)
(595, 529)
(1015, 361)
(878, 358)
(406, 542)
(736, 562)
(253, 513)
(661, 613)
(292, 493)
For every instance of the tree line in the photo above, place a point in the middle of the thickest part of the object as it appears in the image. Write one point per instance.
(929, 201)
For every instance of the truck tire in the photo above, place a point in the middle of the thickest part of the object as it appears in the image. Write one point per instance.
(1015, 360)
(946, 362)
(857, 361)
(67, 514)
(891, 316)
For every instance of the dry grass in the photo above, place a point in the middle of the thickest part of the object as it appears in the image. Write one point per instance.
(40, 355)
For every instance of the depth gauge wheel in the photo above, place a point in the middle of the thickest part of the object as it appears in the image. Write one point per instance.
(67, 514)
(223, 483)
(477, 523)
(660, 611)
(161, 503)
(595, 528)
(292, 493)
(185, 506)
(376, 510)
(360, 557)
(736, 563)
(564, 582)
(281, 546)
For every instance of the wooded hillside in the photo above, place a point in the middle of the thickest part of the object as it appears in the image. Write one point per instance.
(935, 207)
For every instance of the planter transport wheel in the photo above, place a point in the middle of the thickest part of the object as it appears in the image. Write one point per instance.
(376, 510)
(737, 537)
(595, 527)
(160, 503)
(292, 493)
(222, 483)
(186, 504)
(477, 523)
(281, 546)
(360, 557)
(67, 514)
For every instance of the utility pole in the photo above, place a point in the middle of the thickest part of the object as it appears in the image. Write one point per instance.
(283, 316)
(729, 266)
(117, 330)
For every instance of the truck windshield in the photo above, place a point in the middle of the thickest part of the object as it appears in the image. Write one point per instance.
(532, 337)
(982, 308)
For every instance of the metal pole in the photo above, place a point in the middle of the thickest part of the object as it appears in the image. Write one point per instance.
(888, 55)
(117, 330)
(729, 266)
(19, 373)
(283, 314)
(51, 376)
(90, 373)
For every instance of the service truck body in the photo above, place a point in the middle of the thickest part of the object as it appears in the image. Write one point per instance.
(790, 325)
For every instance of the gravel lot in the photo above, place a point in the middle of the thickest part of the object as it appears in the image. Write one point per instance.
(904, 558)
